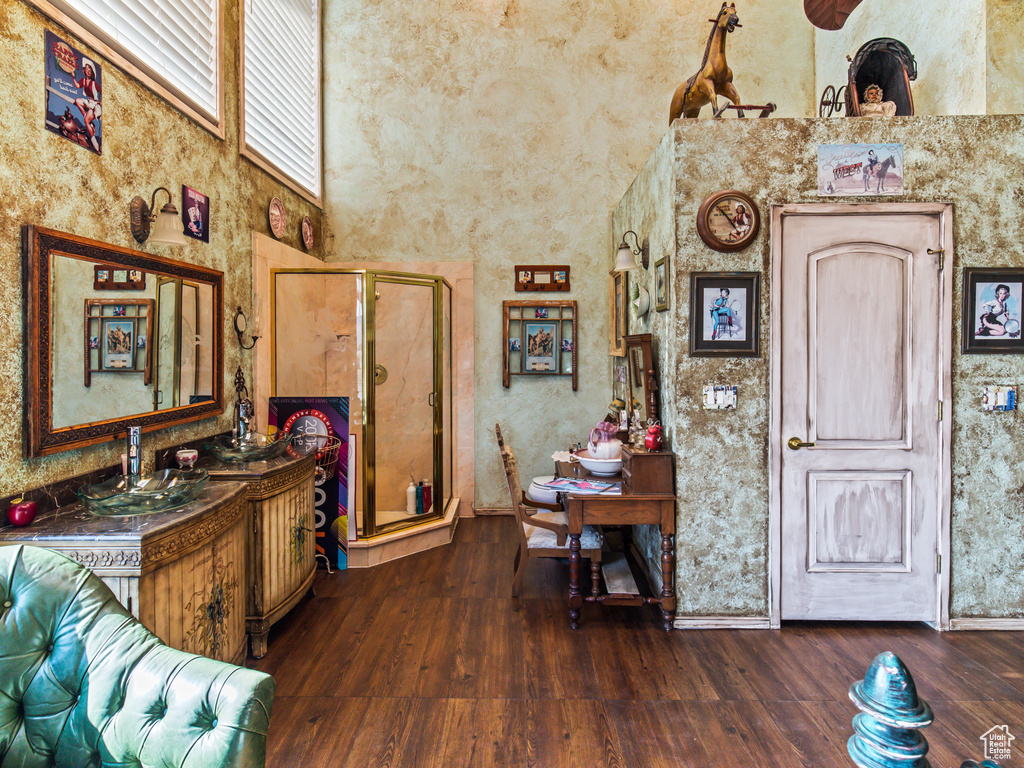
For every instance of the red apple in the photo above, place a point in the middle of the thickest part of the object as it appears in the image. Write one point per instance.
(21, 512)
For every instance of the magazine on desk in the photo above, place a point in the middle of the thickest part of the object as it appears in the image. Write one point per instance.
(572, 485)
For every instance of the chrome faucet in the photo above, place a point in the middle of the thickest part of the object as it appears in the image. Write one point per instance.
(134, 452)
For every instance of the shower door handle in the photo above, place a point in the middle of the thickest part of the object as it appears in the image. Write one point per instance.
(430, 399)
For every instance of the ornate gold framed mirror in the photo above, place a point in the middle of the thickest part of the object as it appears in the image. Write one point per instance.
(164, 371)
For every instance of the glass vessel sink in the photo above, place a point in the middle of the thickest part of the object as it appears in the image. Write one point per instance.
(120, 496)
(255, 447)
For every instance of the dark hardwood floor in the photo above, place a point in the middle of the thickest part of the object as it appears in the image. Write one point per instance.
(428, 662)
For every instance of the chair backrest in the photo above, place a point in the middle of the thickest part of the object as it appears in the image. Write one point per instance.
(515, 488)
(84, 682)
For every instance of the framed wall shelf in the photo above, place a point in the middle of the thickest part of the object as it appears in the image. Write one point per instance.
(536, 277)
(539, 339)
(118, 335)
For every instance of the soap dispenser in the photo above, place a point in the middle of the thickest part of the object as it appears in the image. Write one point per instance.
(410, 499)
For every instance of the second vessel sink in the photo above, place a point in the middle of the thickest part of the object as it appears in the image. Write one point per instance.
(121, 496)
(255, 447)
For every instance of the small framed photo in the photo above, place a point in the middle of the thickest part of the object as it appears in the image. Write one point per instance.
(118, 345)
(561, 276)
(567, 345)
(541, 312)
(993, 298)
(661, 285)
(525, 277)
(724, 311)
(514, 344)
(540, 341)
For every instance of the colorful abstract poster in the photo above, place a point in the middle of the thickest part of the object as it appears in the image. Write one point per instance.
(74, 93)
(311, 420)
(195, 214)
(860, 169)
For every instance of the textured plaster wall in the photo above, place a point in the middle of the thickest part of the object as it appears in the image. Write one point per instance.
(503, 132)
(723, 472)
(947, 38)
(647, 208)
(1005, 31)
(50, 182)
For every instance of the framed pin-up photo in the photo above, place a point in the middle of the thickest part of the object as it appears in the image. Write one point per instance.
(540, 341)
(724, 309)
(993, 298)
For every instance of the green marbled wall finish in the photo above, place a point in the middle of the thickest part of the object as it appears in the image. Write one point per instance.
(1004, 30)
(722, 525)
(646, 208)
(503, 132)
(50, 182)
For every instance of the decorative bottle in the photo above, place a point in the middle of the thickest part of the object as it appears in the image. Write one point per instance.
(410, 499)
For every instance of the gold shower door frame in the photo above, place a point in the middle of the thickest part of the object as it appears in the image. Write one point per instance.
(369, 352)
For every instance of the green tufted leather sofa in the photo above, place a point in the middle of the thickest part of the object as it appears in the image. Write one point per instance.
(83, 683)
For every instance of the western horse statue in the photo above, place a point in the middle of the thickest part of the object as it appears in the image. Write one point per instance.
(714, 78)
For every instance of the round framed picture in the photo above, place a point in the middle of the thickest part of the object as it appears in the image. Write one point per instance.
(728, 221)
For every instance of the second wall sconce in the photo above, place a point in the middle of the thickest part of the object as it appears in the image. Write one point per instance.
(241, 324)
(164, 227)
(624, 260)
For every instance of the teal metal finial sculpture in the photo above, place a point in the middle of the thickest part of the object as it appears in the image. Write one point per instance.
(886, 730)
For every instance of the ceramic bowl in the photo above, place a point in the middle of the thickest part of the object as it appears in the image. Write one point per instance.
(602, 467)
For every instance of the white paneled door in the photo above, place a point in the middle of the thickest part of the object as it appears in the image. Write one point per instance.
(862, 372)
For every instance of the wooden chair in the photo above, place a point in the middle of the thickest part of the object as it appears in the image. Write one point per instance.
(544, 534)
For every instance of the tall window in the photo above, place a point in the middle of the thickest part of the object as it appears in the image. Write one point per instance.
(172, 46)
(281, 91)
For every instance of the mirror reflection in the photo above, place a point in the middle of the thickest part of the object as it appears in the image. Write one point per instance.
(642, 375)
(114, 337)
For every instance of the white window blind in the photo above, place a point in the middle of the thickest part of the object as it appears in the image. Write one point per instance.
(281, 103)
(173, 41)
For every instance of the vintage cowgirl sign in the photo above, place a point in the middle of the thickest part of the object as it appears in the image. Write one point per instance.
(74, 93)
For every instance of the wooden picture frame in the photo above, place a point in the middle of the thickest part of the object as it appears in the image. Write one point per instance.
(109, 322)
(523, 319)
(618, 307)
(661, 284)
(992, 305)
(111, 277)
(538, 277)
(725, 308)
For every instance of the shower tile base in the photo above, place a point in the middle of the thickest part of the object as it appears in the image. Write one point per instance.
(367, 553)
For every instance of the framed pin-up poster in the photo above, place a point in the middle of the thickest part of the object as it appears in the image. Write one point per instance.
(991, 313)
(724, 308)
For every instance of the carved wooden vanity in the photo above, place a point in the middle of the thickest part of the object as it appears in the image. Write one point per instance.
(181, 572)
(280, 537)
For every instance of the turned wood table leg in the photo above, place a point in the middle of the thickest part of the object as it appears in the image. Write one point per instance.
(575, 597)
(595, 577)
(668, 577)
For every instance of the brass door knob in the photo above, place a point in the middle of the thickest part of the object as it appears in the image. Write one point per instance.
(795, 444)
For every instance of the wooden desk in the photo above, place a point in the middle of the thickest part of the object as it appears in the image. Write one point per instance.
(625, 509)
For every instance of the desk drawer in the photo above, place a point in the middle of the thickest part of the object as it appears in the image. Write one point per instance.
(646, 472)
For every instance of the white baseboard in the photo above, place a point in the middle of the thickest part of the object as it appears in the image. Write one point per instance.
(1004, 625)
(722, 622)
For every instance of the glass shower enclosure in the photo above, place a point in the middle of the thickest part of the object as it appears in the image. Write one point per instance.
(384, 340)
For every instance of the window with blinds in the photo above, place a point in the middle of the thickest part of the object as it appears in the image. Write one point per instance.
(172, 45)
(281, 90)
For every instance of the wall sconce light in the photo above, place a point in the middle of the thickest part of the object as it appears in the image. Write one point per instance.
(168, 227)
(241, 324)
(624, 261)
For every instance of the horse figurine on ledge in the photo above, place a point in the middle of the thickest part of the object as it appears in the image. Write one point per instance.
(714, 78)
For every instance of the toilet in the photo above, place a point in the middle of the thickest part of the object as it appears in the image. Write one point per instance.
(536, 493)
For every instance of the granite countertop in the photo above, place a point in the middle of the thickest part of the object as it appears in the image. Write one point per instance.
(250, 470)
(74, 520)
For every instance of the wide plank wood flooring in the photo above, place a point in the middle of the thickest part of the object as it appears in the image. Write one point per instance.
(427, 662)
